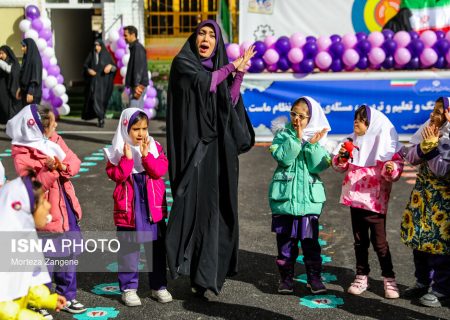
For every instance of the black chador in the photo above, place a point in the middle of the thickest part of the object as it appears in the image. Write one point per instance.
(9, 83)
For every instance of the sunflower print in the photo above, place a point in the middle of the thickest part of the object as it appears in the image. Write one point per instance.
(425, 222)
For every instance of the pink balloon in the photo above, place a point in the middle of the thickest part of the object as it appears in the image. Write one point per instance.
(297, 40)
(245, 45)
(37, 24)
(428, 57)
(233, 51)
(349, 40)
(402, 56)
(119, 53)
(350, 57)
(271, 56)
(323, 60)
(323, 42)
(150, 103)
(402, 38)
(428, 38)
(376, 56)
(269, 41)
(295, 55)
(45, 34)
(375, 38)
(272, 68)
(60, 79)
(151, 92)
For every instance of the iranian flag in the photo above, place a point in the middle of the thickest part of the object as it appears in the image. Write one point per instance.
(224, 20)
(428, 14)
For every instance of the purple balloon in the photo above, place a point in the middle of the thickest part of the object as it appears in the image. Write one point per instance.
(335, 38)
(363, 63)
(296, 68)
(416, 47)
(441, 63)
(57, 102)
(363, 47)
(257, 65)
(441, 46)
(149, 103)
(311, 39)
(45, 62)
(283, 45)
(440, 34)
(309, 50)
(388, 34)
(272, 67)
(45, 34)
(60, 79)
(50, 42)
(337, 65)
(414, 35)
(37, 25)
(119, 53)
(151, 92)
(120, 64)
(53, 70)
(307, 65)
(283, 64)
(388, 62)
(45, 93)
(389, 46)
(361, 36)
(336, 50)
(32, 12)
(121, 43)
(260, 49)
(414, 63)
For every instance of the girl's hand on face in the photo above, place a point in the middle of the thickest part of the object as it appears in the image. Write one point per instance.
(127, 151)
(318, 135)
(298, 128)
(430, 132)
(144, 146)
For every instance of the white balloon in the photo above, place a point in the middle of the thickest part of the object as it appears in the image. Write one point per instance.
(46, 22)
(50, 82)
(125, 59)
(32, 34)
(113, 36)
(64, 110)
(65, 98)
(123, 71)
(49, 52)
(44, 74)
(149, 75)
(53, 61)
(113, 46)
(41, 44)
(152, 113)
(59, 90)
(25, 25)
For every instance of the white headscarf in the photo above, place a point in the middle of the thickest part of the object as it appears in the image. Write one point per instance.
(16, 207)
(444, 130)
(2, 174)
(317, 121)
(115, 152)
(379, 143)
(25, 129)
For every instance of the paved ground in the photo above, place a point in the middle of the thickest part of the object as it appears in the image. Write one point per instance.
(252, 293)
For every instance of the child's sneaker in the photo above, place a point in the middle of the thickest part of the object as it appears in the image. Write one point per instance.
(416, 291)
(316, 286)
(359, 285)
(43, 312)
(390, 288)
(432, 299)
(130, 298)
(286, 287)
(163, 296)
(75, 307)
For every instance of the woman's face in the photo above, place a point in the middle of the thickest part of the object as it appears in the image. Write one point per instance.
(300, 116)
(98, 47)
(437, 117)
(138, 132)
(206, 41)
(24, 49)
(48, 131)
(3, 55)
(41, 212)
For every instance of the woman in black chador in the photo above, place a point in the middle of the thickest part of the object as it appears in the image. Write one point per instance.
(99, 72)
(30, 84)
(207, 128)
(9, 83)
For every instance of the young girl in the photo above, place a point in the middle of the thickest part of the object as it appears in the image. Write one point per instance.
(36, 145)
(366, 189)
(23, 208)
(296, 193)
(137, 163)
(426, 222)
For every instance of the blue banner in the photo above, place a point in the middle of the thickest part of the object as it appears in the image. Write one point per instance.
(407, 103)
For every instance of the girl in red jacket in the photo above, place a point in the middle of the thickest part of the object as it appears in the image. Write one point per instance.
(36, 145)
(137, 163)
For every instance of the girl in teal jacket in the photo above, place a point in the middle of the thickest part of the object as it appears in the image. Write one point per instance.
(296, 193)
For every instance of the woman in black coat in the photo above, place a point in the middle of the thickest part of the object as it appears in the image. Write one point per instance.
(30, 90)
(9, 83)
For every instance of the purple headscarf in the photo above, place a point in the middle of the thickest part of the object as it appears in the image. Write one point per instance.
(207, 62)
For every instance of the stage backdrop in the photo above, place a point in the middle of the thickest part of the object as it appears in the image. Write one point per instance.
(407, 98)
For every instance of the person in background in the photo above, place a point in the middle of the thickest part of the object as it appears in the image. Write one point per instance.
(30, 81)
(9, 83)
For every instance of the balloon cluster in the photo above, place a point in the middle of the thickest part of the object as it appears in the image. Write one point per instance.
(37, 26)
(388, 50)
(119, 47)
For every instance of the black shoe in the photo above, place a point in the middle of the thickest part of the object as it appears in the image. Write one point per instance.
(101, 123)
(198, 291)
(316, 286)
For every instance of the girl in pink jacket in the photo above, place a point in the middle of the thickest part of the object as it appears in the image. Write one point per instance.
(375, 164)
(36, 145)
(136, 162)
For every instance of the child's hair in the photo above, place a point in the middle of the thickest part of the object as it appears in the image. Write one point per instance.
(36, 186)
(298, 101)
(131, 30)
(361, 113)
(441, 100)
(140, 116)
(44, 113)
